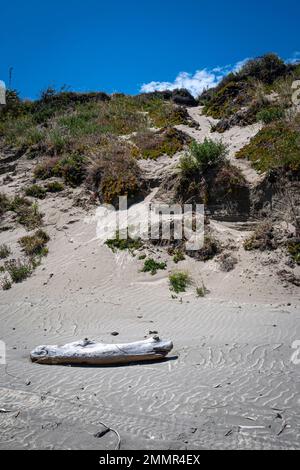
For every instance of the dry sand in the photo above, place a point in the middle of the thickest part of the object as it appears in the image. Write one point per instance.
(229, 382)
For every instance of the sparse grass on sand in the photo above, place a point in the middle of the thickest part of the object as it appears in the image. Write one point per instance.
(4, 251)
(35, 245)
(18, 270)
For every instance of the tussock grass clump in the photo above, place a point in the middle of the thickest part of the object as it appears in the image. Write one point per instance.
(123, 244)
(4, 251)
(35, 245)
(35, 190)
(202, 156)
(152, 266)
(179, 281)
(18, 270)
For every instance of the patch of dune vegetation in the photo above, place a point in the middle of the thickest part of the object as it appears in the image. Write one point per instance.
(152, 266)
(120, 243)
(276, 146)
(152, 145)
(243, 97)
(35, 245)
(27, 213)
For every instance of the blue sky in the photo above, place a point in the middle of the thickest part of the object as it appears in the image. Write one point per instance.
(121, 45)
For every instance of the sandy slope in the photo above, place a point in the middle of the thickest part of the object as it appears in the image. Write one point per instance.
(229, 383)
(235, 137)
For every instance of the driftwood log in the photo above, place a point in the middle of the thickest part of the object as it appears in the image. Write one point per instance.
(89, 352)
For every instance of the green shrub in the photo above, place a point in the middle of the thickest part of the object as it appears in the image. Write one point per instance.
(4, 251)
(153, 266)
(35, 245)
(201, 156)
(18, 270)
(179, 281)
(36, 190)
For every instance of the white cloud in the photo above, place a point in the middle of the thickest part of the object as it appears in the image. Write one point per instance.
(201, 80)
(295, 58)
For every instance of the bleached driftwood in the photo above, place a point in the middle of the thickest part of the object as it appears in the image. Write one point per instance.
(89, 352)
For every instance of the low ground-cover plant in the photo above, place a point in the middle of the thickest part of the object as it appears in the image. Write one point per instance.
(152, 266)
(179, 281)
(270, 114)
(35, 245)
(275, 146)
(123, 244)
